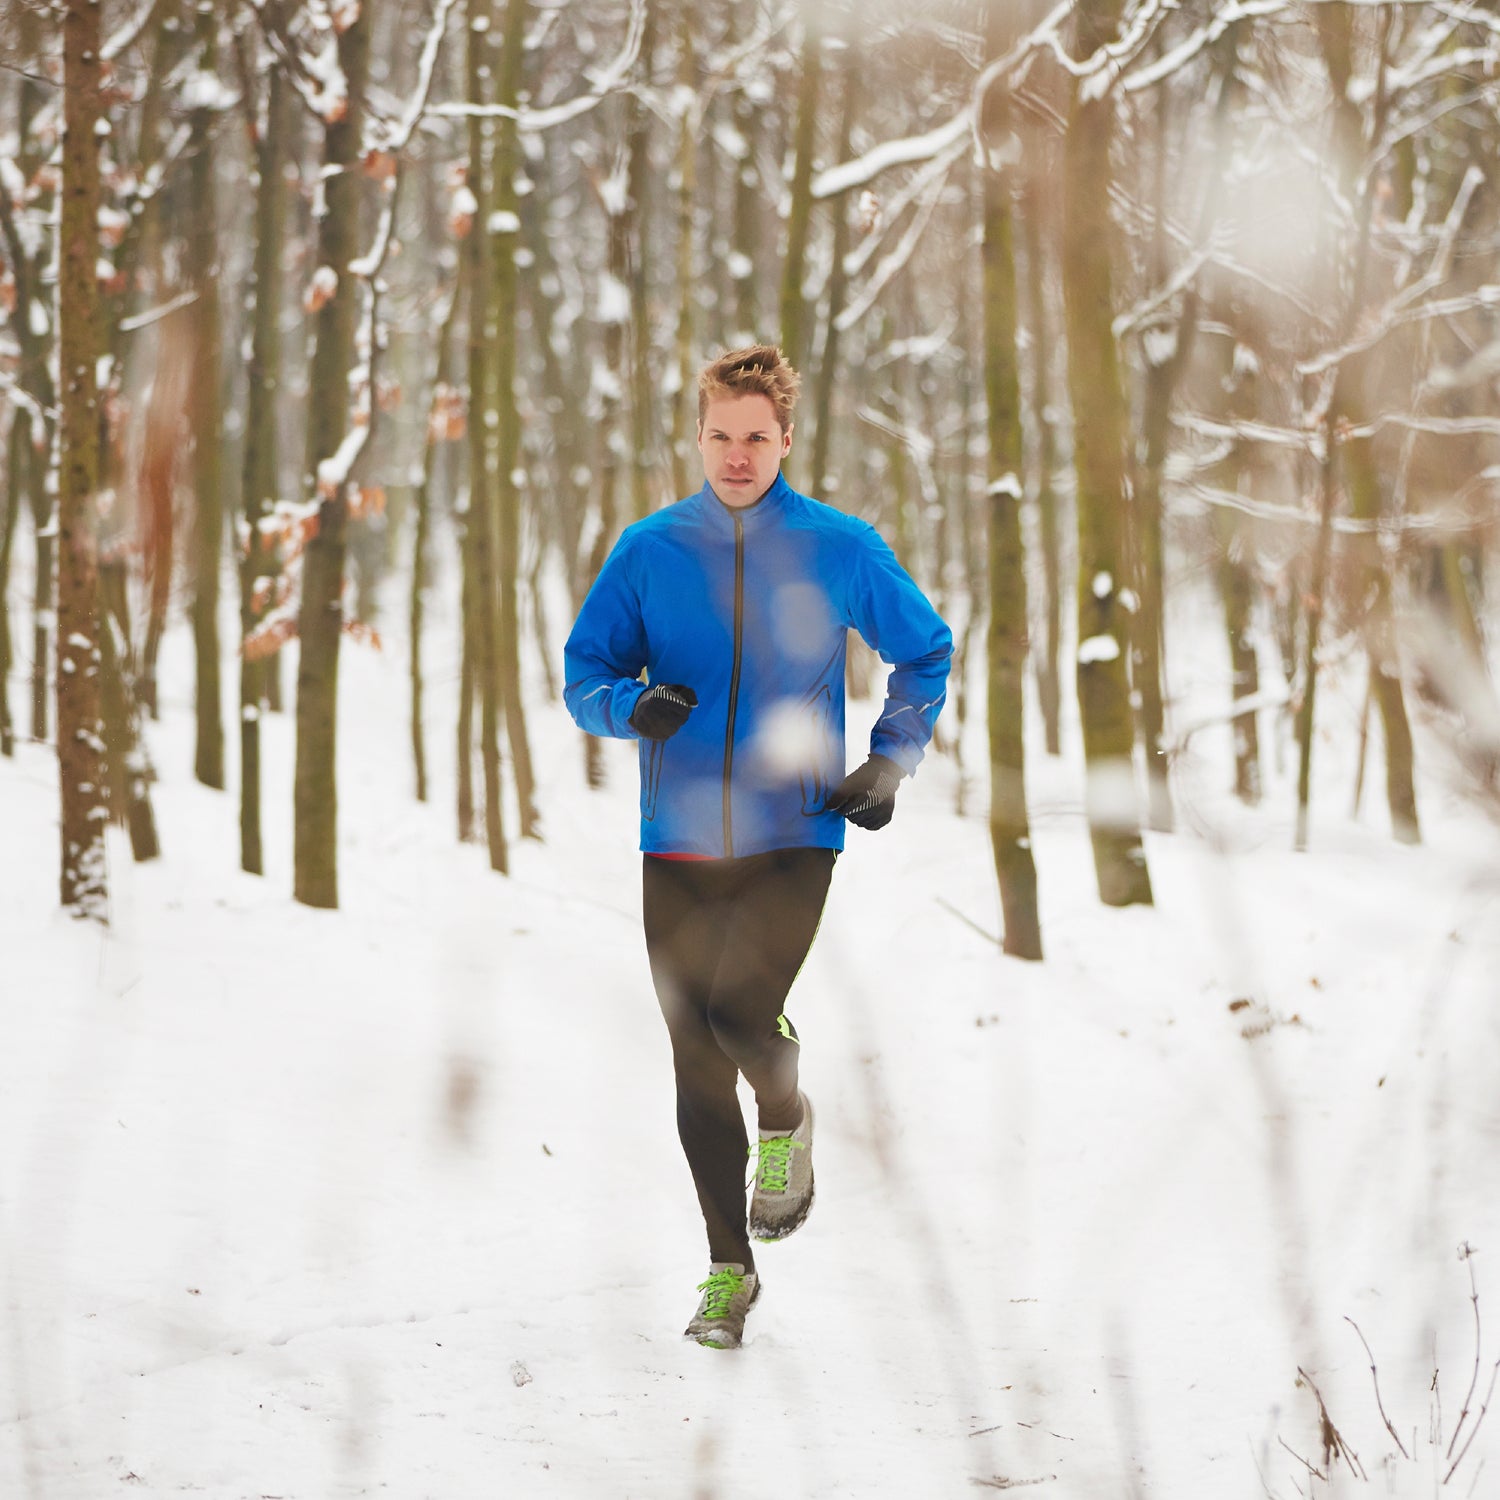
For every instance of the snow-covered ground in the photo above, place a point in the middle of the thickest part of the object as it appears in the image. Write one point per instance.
(389, 1201)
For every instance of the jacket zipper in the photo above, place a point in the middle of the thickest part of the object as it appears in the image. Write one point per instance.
(734, 676)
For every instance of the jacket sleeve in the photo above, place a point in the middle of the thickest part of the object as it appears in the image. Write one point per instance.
(606, 651)
(897, 621)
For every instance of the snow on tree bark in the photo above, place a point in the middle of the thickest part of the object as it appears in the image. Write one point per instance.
(1100, 424)
(321, 617)
(80, 744)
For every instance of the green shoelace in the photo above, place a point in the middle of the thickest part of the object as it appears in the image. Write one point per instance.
(722, 1288)
(775, 1162)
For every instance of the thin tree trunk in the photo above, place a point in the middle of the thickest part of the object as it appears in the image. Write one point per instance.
(645, 426)
(1335, 27)
(1035, 239)
(687, 187)
(129, 772)
(80, 746)
(260, 565)
(1010, 833)
(1379, 629)
(483, 614)
(436, 438)
(1164, 363)
(821, 478)
(321, 620)
(794, 267)
(17, 442)
(743, 261)
(1099, 456)
(505, 304)
(610, 438)
(208, 450)
(31, 322)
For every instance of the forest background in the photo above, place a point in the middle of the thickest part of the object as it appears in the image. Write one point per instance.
(1159, 339)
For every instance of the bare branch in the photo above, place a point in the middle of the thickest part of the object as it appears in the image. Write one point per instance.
(1375, 1378)
(1466, 1254)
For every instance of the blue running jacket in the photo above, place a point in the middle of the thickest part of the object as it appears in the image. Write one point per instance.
(750, 608)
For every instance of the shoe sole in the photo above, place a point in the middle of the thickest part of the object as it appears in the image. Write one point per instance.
(766, 1235)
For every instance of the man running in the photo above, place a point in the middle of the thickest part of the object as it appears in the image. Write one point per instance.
(736, 604)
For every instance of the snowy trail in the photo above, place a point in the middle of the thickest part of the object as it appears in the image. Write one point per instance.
(307, 1205)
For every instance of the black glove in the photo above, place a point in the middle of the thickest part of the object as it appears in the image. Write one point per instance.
(867, 797)
(662, 710)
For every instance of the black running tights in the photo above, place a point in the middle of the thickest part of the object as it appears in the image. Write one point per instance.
(726, 938)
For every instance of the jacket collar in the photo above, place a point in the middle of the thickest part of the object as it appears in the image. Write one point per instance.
(764, 511)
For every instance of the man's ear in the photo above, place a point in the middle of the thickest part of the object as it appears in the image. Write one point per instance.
(786, 445)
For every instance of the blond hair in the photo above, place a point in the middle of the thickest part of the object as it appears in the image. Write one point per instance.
(760, 370)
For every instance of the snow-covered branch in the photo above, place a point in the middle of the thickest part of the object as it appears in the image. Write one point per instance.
(129, 32)
(1308, 515)
(1255, 432)
(917, 443)
(1179, 281)
(156, 314)
(1396, 313)
(1199, 40)
(897, 258)
(318, 79)
(18, 396)
(915, 148)
(1434, 426)
(727, 63)
(915, 186)
(601, 85)
(401, 132)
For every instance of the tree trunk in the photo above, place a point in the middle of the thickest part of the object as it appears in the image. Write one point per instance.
(437, 436)
(1035, 238)
(129, 772)
(482, 617)
(683, 406)
(1010, 833)
(1373, 589)
(208, 449)
(743, 260)
(1100, 423)
(821, 479)
(259, 564)
(505, 305)
(321, 620)
(611, 441)
(1335, 26)
(794, 267)
(645, 426)
(31, 322)
(15, 459)
(1164, 360)
(80, 745)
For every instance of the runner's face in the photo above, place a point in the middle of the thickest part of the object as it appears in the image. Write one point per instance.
(742, 446)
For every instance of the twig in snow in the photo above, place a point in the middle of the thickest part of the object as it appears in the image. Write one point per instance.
(1375, 1378)
(1316, 1473)
(1466, 1253)
(1334, 1445)
(970, 923)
